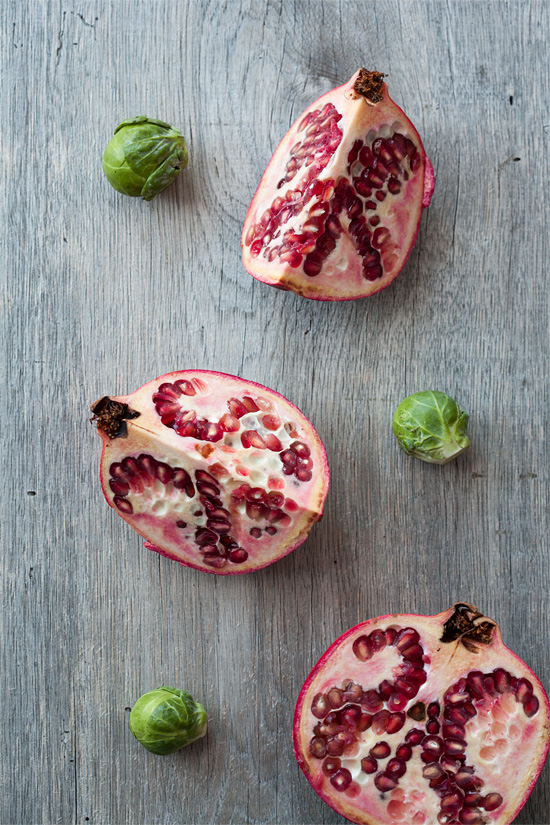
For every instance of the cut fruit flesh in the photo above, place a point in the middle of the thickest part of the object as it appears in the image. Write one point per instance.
(218, 473)
(415, 719)
(337, 211)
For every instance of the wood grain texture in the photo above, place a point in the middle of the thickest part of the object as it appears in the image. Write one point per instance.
(102, 293)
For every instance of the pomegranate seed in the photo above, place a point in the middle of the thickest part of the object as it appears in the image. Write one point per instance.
(433, 771)
(270, 530)
(492, 802)
(455, 747)
(397, 702)
(335, 698)
(385, 689)
(318, 748)
(341, 779)
(385, 783)
(181, 524)
(291, 505)
(433, 744)
(255, 532)
(414, 736)
(377, 640)
(472, 800)
(404, 752)
(380, 721)
(320, 706)
(524, 688)
(433, 709)
(396, 767)
(470, 816)
(365, 722)
(119, 488)
(391, 633)
(531, 706)
(380, 751)
(271, 422)
(451, 802)
(300, 449)
(123, 505)
(369, 765)
(362, 648)
(351, 716)
(395, 722)
(335, 747)
(463, 777)
(250, 438)
(330, 765)
(432, 726)
(229, 423)
(454, 731)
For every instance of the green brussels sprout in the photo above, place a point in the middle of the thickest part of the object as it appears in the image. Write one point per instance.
(166, 719)
(144, 156)
(431, 426)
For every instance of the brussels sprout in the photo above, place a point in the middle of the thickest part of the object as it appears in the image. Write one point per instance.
(143, 157)
(431, 426)
(166, 719)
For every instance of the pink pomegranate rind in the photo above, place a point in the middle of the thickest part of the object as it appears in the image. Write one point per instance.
(215, 472)
(337, 211)
(423, 720)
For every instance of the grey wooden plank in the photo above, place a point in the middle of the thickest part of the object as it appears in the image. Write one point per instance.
(103, 293)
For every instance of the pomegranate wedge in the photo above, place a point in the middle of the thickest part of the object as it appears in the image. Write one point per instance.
(218, 473)
(337, 211)
(423, 720)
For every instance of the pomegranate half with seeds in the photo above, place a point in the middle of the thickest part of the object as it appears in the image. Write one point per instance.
(423, 720)
(218, 473)
(337, 211)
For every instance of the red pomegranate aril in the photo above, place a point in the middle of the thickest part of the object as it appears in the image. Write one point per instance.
(385, 689)
(455, 747)
(454, 731)
(433, 727)
(341, 779)
(474, 680)
(318, 747)
(335, 747)
(451, 802)
(396, 768)
(123, 504)
(405, 687)
(385, 783)
(406, 637)
(434, 709)
(463, 777)
(362, 647)
(456, 714)
(377, 640)
(330, 765)
(492, 801)
(470, 816)
(353, 692)
(404, 752)
(414, 736)
(351, 717)
(229, 423)
(433, 771)
(395, 722)
(451, 765)
(524, 690)
(380, 721)
(390, 634)
(119, 488)
(397, 702)
(335, 698)
(369, 765)
(531, 706)
(255, 532)
(365, 721)
(320, 706)
(433, 744)
(472, 800)
(380, 751)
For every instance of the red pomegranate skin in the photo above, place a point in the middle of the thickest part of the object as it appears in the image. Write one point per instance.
(337, 211)
(464, 747)
(215, 472)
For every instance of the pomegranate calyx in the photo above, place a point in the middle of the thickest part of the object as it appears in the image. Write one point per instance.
(468, 626)
(111, 416)
(370, 85)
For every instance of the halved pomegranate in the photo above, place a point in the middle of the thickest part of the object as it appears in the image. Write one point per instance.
(337, 211)
(423, 720)
(218, 473)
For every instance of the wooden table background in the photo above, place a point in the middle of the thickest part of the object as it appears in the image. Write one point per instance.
(105, 292)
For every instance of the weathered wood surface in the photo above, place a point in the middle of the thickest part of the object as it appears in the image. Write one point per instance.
(103, 293)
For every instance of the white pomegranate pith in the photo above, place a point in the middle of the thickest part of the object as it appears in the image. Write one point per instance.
(218, 473)
(424, 720)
